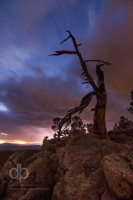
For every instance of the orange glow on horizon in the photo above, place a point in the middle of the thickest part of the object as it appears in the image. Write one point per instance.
(2, 141)
(18, 142)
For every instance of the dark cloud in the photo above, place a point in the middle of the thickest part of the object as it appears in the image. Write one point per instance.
(36, 100)
(36, 88)
(110, 39)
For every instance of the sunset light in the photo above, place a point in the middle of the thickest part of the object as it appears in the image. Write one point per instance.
(2, 141)
(18, 142)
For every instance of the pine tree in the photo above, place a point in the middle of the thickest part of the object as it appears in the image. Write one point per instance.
(123, 123)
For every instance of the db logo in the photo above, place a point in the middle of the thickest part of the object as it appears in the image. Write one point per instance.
(19, 173)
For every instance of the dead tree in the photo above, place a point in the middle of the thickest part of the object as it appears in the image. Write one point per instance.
(98, 90)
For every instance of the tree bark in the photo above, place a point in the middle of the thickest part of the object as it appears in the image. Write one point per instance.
(100, 108)
(99, 116)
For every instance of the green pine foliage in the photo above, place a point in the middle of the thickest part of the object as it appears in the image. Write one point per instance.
(123, 123)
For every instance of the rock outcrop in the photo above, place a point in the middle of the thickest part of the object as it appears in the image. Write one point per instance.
(83, 176)
(124, 136)
(82, 168)
(118, 170)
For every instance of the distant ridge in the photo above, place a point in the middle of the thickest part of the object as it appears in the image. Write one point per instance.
(14, 147)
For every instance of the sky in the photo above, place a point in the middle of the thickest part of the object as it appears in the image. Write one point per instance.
(35, 88)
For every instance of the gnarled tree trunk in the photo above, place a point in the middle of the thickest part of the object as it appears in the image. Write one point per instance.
(100, 108)
(99, 116)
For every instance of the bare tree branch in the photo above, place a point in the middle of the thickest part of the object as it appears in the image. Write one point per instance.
(84, 103)
(65, 40)
(79, 45)
(83, 64)
(58, 53)
(85, 82)
(99, 61)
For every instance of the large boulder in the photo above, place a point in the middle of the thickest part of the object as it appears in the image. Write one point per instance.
(7, 183)
(82, 175)
(23, 157)
(42, 177)
(118, 170)
(124, 136)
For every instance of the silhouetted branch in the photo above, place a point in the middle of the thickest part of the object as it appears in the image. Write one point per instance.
(58, 53)
(85, 82)
(65, 40)
(79, 45)
(99, 61)
(83, 64)
(84, 103)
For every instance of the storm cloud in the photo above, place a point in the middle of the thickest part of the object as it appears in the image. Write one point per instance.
(35, 88)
